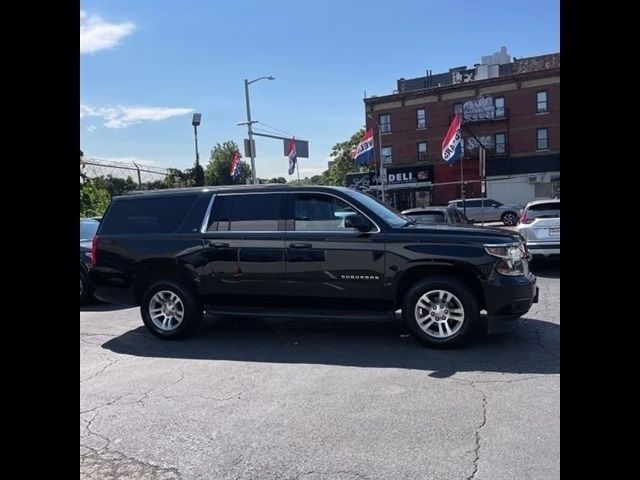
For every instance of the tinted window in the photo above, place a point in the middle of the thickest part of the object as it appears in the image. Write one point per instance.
(88, 229)
(148, 214)
(546, 210)
(391, 216)
(470, 203)
(248, 213)
(317, 212)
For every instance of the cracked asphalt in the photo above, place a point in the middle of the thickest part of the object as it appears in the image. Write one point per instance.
(318, 400)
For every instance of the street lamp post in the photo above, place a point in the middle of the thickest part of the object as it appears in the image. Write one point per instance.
(383, 172)
(249, 123)
(195, 122)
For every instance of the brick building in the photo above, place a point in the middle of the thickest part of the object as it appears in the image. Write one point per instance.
(511, 107)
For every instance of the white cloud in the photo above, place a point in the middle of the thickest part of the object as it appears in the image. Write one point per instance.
(97, 34)
(91, 128)
(121, 116)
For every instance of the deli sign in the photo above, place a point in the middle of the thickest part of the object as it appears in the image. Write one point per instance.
(400, 175)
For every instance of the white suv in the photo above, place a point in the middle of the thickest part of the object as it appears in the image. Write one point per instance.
(540, 226)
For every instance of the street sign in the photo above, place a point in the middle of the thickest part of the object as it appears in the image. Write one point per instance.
(302, 148)
(247, 149)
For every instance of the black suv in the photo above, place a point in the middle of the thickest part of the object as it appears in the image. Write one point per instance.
(274, 250)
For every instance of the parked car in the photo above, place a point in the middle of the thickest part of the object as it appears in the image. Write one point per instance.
(278, 250)
(488, 210)
(432, 215)
(540, 226)
(88, 228)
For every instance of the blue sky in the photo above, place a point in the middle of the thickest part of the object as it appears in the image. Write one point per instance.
(147, 65)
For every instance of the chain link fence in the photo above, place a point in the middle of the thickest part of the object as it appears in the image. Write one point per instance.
(140, 174)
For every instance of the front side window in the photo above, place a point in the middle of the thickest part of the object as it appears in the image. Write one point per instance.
(542, 138)
(387, 155)
(501, 142)
(385, 123)
(422, 151)
(320, 213)
(421, 118)
(541, 102)
(499, 105)
(246, 213)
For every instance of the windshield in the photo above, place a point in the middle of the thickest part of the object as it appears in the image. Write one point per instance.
(88, 229)
(391, 216)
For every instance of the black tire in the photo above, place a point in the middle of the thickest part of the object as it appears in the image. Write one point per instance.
(85, 288)
(509, 218)
(462, 333)
(191, 309)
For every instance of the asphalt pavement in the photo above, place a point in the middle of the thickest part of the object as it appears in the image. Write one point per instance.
(318, 400)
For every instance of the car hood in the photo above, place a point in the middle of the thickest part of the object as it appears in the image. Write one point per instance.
(465, 232)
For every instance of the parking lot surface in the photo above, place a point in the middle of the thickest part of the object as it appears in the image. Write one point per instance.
(318, 400)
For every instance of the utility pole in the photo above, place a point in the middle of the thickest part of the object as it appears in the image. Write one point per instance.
(249, 123)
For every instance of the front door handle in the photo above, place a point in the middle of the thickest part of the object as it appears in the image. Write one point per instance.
(300, 245)
(217, 244)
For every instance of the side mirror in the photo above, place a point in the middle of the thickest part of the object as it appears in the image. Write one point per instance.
(358, 222)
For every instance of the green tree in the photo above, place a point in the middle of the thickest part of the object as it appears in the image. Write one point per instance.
(217, 171)
(273, 180)
(116, 186)
(343, 163)
(93, 200)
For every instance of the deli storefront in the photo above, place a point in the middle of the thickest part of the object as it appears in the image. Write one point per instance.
(405, 187)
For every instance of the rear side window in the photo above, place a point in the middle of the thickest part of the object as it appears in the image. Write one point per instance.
(544, 210)
(247, 213)
(146, 215)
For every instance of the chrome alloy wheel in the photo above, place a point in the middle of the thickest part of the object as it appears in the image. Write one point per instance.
(439, 313)
(166, 310)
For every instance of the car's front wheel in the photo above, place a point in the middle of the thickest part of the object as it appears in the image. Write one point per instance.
(85, 289)
(509, 218)
(441, 312)
(170, 309)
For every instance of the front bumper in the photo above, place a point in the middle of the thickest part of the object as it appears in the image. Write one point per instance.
(507, 299)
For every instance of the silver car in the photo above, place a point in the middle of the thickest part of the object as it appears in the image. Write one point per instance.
(488, 210)
(540, 226)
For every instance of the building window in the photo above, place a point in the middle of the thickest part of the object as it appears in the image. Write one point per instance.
(457, 107)
(543, 138)
(541, 102)
(499, 105)
(386, 156)
(501, 143)
(421, 118)
(422, 151)
(385, 123)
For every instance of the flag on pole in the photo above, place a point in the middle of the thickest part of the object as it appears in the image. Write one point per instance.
(452, 143)
(234, 171)
(293, 156)
(364, 151)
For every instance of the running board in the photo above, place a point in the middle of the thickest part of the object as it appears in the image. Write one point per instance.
(299, 313)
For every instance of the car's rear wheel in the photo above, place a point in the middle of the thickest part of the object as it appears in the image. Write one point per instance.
(170, 309)
(441, 312)
(509, 218)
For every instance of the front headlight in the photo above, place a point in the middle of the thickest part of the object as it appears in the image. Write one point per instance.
(512, 258)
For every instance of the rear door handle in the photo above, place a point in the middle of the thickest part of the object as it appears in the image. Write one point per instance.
(217, 244)
(300, 245)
